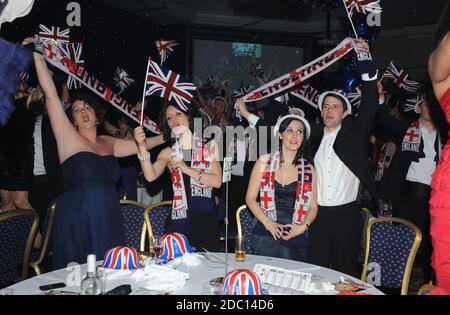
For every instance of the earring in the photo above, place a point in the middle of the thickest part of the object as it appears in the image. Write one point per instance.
(96, 121)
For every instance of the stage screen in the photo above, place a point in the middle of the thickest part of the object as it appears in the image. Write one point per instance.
(232, 61)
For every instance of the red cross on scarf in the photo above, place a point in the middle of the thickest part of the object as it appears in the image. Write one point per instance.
(266, 199)
(412, 135)
(300, 213)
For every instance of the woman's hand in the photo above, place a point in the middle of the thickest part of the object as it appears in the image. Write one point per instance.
(139, 136)
(174, 163)
(274, 228)
(295, 230)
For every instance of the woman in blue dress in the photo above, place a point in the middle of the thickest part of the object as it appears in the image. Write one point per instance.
(88, 218)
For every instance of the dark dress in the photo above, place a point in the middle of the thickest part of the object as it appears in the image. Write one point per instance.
(88, 218)
(201, 227)
(263, 242)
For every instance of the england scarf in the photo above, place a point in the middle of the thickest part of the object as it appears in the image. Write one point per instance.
(200, 160)
(302, 195)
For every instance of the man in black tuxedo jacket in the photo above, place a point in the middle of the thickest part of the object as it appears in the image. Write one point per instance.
(341, 160)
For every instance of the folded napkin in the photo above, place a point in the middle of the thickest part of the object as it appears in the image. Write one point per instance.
(159, 278)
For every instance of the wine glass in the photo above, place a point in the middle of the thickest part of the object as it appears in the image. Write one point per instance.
(155, 246)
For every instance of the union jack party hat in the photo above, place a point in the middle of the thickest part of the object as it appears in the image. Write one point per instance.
(337, 92)
(121, 258)
(174, 245)
(242, 282)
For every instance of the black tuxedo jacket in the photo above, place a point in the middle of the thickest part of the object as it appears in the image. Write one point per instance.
(351, 144)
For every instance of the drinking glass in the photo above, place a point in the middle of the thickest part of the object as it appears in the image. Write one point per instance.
(239, 253)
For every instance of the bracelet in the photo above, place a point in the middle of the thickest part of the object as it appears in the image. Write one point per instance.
(200, 173)
(145, 157)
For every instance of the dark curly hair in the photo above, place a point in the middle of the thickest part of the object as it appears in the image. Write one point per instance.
(302, 150)
(89, 99)
(166, 131)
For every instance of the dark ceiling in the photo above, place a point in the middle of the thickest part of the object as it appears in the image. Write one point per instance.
(292, 16)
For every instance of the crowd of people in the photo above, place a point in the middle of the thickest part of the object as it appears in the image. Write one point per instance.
(305, 194)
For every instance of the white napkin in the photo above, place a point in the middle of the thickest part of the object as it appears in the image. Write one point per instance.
(320, 288)
(159, 278)
(189, 260)
(113, 274)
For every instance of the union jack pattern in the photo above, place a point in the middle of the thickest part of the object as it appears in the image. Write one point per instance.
(168, 85)
(121, 258)
(363, 6)
(73, 52)
(411, 104)
(54, 34)
(122, 79)
(242, 282)
(355, 97)
(165, 48)
(174, 245)
(400, 78)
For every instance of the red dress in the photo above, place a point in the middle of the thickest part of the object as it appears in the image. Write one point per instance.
(440, 212)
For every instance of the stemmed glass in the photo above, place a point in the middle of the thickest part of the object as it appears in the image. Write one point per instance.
(155, 246)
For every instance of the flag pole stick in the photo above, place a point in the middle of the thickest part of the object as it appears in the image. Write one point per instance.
(143, 92)
(349, 17)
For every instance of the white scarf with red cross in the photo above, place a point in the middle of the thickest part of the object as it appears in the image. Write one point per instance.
(411, 140)
(302, 195)
(200, 160)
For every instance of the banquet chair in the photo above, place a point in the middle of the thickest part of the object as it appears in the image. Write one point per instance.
(365, 215)
(155, 218)
(17, 232)
(426, 289)
(37, 256)
(133, 214)
(391, 247)
(244, 220)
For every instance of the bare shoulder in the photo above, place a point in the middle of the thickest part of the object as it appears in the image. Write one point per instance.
(165, 154)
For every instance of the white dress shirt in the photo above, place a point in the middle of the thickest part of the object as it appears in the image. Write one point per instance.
(337, 185)
(420, 172)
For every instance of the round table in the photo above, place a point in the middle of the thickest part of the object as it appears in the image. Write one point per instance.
(209, 269)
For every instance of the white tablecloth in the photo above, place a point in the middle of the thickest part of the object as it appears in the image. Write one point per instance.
(198, 275)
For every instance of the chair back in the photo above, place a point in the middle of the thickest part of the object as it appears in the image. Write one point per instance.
(37, 256)
(156, 217)
(365, 214)
(244, 220)
(391, 247)
(17, 232)
(133, 214)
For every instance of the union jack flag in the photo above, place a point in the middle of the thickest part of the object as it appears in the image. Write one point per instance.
(242, 282)
(73, 52)
(174, 245)
(54, 34)
(400, 78)
(355, 97)
(411, 104)
(122, 79)
(168, 85)
(165, 48)
(121, 258)
(363, 6)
